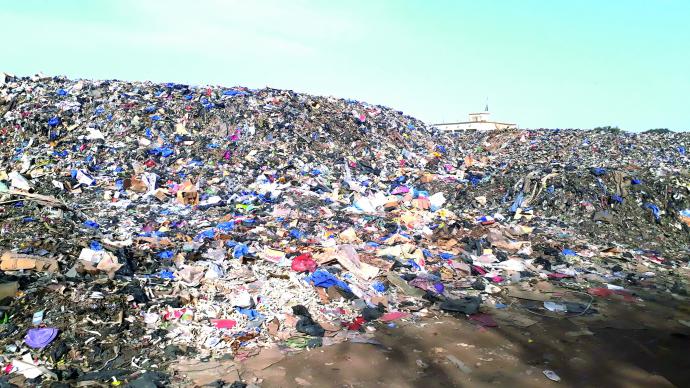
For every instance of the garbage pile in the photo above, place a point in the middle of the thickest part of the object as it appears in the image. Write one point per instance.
(143, 223)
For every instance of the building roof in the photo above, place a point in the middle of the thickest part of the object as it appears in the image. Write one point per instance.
(474, 122)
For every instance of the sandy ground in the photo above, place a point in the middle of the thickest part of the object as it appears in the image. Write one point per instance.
(627, 344)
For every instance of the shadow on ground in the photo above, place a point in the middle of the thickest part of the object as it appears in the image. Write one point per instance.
(625, 345)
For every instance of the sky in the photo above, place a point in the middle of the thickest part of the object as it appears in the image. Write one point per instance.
(550, 64)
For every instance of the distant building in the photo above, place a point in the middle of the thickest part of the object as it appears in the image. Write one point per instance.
(477, 121)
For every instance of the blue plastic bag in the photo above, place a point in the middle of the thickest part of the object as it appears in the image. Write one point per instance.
(226, 226)
(297, 234)
(54, 121)
(378, 286)
(323, 278)
(240, 251)
(162, 151)
(91, 224)
(166, 255)
(250, 313)
(96, 246)
(206, 234)
(598, 171)
(231, 92)
(518, 202)
(655, 210)
(413, 264)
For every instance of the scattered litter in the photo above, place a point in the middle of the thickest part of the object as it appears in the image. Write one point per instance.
(551, 375)
(459, 364)
(146, 222)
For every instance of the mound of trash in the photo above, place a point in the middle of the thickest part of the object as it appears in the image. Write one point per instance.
(146, 225)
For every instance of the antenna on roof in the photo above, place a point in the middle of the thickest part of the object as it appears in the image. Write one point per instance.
(486, 107)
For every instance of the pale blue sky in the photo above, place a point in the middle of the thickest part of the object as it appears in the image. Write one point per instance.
(547, 63)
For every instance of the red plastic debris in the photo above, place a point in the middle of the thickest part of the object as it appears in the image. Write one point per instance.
(393, 315)
(496, 279)
(356, 324)
(485, 320)
(224, 323)
(655, 259)
(606, 293)
(303, 263)
(558, 276)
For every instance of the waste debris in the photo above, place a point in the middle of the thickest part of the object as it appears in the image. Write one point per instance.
(143, 224)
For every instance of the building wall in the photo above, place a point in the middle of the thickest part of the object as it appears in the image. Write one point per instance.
(478, 117)
(478, 126)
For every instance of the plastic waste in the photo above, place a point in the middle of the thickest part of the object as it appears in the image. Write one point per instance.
(40, 337)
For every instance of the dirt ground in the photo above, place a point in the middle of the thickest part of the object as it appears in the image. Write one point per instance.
(627, 344)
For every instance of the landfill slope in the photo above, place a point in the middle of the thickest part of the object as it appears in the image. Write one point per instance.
(147, 223)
